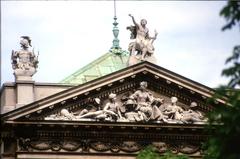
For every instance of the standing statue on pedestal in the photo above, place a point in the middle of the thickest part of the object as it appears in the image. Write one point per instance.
(143, 43)
(24, 61)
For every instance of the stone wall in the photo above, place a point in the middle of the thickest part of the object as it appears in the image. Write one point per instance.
(9, 93)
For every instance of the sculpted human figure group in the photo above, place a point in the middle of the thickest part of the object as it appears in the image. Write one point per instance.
(140, 106)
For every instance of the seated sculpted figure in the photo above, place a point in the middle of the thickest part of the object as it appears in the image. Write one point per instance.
(156, 112)
(143, 99)
(112, 107)
(131, 114)
(173, 110)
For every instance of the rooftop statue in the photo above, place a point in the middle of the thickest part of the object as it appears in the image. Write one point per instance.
(142, 48)
(24, 61)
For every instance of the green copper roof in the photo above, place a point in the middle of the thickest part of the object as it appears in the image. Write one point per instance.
(110, 62)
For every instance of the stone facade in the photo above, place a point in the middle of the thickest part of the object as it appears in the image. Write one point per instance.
(32, 131)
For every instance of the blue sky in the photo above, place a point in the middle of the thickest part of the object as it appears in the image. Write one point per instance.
(71, 34)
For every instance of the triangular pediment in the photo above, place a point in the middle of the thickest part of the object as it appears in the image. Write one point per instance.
(79, 103)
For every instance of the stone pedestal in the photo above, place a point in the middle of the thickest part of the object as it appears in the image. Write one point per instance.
(23, 78)
(134, 59)
(24, 90)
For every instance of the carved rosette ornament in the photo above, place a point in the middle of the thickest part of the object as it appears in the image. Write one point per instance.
(24, 61)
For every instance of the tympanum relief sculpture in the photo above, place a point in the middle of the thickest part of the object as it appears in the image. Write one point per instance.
(139, 106)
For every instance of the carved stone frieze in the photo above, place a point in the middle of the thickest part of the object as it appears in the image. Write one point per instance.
(93, 146)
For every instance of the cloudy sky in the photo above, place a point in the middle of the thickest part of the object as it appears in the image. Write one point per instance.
(71, 34)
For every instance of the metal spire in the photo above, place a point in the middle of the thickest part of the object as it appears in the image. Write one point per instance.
(115, 30)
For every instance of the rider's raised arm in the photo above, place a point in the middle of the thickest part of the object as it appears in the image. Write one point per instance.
(134, 22)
